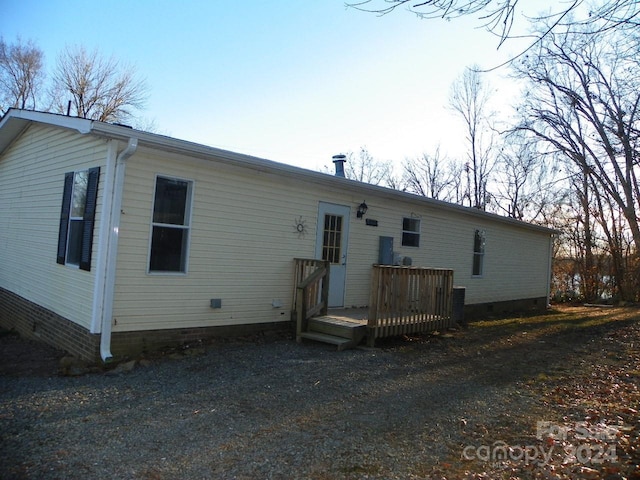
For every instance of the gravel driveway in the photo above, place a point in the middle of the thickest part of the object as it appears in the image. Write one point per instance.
(275, 409)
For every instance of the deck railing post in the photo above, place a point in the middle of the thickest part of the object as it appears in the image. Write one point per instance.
(301, 313)
(324, 295)
(374, 299)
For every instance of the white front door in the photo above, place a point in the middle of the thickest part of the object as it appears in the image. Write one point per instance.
(331, 244)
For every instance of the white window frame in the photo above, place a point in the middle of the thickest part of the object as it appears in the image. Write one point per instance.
(186, 226)
(76, 219)
(417, 232)
(478, 256)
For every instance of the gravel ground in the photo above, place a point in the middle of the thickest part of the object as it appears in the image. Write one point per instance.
(273, 409)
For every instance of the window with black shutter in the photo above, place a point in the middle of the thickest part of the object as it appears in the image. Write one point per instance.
(77, 218)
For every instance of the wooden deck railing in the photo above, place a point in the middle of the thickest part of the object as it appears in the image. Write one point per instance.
(311, 291)
(408, 300)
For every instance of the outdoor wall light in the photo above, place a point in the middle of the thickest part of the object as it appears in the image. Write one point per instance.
(362, 209)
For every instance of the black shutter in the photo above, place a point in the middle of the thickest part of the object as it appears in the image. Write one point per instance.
(64, 217)
(88, 220)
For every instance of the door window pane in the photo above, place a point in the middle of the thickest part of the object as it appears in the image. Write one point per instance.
(331, 245)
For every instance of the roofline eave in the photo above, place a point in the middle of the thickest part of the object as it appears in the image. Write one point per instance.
(17, 120)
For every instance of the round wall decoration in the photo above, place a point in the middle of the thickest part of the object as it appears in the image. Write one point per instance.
(300, 227)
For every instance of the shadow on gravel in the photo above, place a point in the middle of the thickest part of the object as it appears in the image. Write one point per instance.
(283, 410)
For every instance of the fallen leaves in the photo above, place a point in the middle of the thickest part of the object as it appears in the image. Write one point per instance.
(592, 396)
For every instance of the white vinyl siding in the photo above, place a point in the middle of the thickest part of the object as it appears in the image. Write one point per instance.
(244, 238)
(509, 274)
(242, 245)
(243, 234)
(32, 173)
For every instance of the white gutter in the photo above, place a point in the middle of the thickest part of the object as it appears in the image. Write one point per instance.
(169, 144)
(112, 248)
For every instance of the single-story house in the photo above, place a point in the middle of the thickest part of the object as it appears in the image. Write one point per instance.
(114, 240)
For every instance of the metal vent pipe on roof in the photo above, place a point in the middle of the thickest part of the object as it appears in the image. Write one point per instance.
(338, 161)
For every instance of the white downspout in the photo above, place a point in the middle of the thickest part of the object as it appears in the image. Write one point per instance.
(112, 248)
(550, 269)
(103, 238)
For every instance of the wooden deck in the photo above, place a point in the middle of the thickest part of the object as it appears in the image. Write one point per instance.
(357, 315)
(403, 300)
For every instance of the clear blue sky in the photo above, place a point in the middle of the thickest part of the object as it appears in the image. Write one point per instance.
(294, 81)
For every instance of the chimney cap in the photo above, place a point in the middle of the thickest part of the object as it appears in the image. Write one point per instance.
(338, 161)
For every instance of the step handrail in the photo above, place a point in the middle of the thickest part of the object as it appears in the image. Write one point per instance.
(311, 293)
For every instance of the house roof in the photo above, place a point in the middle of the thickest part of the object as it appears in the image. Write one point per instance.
(17, 121)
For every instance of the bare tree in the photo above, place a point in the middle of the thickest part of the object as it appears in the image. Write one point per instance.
(470, 98)
(364, 168)
(524, 187)
(431, 176)
(98, 88)
(584, 102)
(21, 75)
(619, 275)
(498, 16)
(394, 180)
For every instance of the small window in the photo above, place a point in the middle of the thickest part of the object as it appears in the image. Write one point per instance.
(77, 218)
(478, 252)
(170, 225)
(410, 232)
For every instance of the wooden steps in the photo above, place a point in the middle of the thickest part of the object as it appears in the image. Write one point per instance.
(341, 343)
(339, 331)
